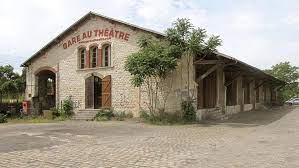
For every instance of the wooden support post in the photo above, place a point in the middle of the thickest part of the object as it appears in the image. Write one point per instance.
(209, 71)
(220, 89)
(240, 93)
(233, 79)
(252, 94)
(259, 85)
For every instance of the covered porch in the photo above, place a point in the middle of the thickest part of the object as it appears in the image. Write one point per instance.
(227, 86)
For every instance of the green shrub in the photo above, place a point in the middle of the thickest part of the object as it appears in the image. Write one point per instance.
(120, 116)
(3, 118)
(67, 107)
(104, 115)
(189, 112)
(55, 111)
(129, 115)
(64, 111)
(161, 118)
(144, 114)
(102, 118)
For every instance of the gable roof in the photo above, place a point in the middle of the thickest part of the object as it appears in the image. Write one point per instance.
(159, 34)
(77, 23)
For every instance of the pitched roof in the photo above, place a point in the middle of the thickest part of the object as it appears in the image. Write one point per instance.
(73, 26)
(90, 14)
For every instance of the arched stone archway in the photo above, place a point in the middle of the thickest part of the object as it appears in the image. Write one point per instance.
(45, 97)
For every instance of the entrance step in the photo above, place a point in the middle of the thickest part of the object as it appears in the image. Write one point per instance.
(85, 114)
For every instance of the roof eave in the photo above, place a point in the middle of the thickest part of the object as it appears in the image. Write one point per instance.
(79, 21)
(250, 66)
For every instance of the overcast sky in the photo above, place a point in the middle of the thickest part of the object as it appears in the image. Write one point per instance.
(259, 32)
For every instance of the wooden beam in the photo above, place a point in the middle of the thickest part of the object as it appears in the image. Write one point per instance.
(232, 80)
(209, 71)
(259, 85)
(250, 81)
(246, 82)
(279, 87)
(203, 62)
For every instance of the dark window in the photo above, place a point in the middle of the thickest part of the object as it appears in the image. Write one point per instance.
(94, 51)
(107, 55)
(82, 58)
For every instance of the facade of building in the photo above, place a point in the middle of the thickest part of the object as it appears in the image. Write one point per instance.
(86, 62)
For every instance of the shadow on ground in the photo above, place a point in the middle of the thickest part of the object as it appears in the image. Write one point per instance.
(253, 118)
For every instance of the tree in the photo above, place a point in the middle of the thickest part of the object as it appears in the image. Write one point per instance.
(150, 66)
(11, 83)
(157, 58)
(288, 73)
(190, 42)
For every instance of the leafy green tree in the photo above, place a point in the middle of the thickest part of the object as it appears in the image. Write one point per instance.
(157, 58)
(288, 73)
(150, 65)
(191, 42)
(11, 83)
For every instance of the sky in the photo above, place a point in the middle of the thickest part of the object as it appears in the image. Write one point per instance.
(261, 33)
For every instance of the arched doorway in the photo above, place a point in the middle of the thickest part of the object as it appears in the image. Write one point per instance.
(46, 90)
(97, 92)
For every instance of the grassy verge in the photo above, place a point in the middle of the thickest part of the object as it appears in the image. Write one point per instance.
(32, 120)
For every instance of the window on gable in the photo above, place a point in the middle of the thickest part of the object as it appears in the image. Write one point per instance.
(106, 55)
(82, 53)
(93, 56)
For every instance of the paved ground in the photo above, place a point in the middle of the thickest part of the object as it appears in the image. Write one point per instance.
(251, 139)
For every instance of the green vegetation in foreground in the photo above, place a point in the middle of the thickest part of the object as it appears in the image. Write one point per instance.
(110, 114)
(32, 120)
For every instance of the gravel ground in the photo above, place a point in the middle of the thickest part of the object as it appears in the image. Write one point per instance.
(249, 139)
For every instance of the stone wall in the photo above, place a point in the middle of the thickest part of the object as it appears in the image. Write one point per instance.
(71, 80)
(230, 110)
(175, 88)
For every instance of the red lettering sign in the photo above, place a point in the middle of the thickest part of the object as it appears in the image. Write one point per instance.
(104, 34)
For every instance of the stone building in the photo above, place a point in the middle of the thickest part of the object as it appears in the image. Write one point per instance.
(86, 64)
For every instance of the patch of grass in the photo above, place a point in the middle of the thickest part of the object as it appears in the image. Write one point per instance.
(62, 118)
(3, 118)
(104, 115)
(110, 114)
(102, 118)
(31, 120)
(120, 116)
(162, 118)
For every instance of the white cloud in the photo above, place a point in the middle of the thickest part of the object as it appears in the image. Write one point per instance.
(292, 19)
(28, 25)
(156, 15)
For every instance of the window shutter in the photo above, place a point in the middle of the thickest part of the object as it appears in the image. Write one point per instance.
(99, 57)
(87, 58)
(106, 92)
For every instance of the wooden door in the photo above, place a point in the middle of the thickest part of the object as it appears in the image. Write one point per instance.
(97, 92)
(89, 90)
(106, 92)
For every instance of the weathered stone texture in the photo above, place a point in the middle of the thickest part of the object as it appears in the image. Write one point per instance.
(71, 79)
